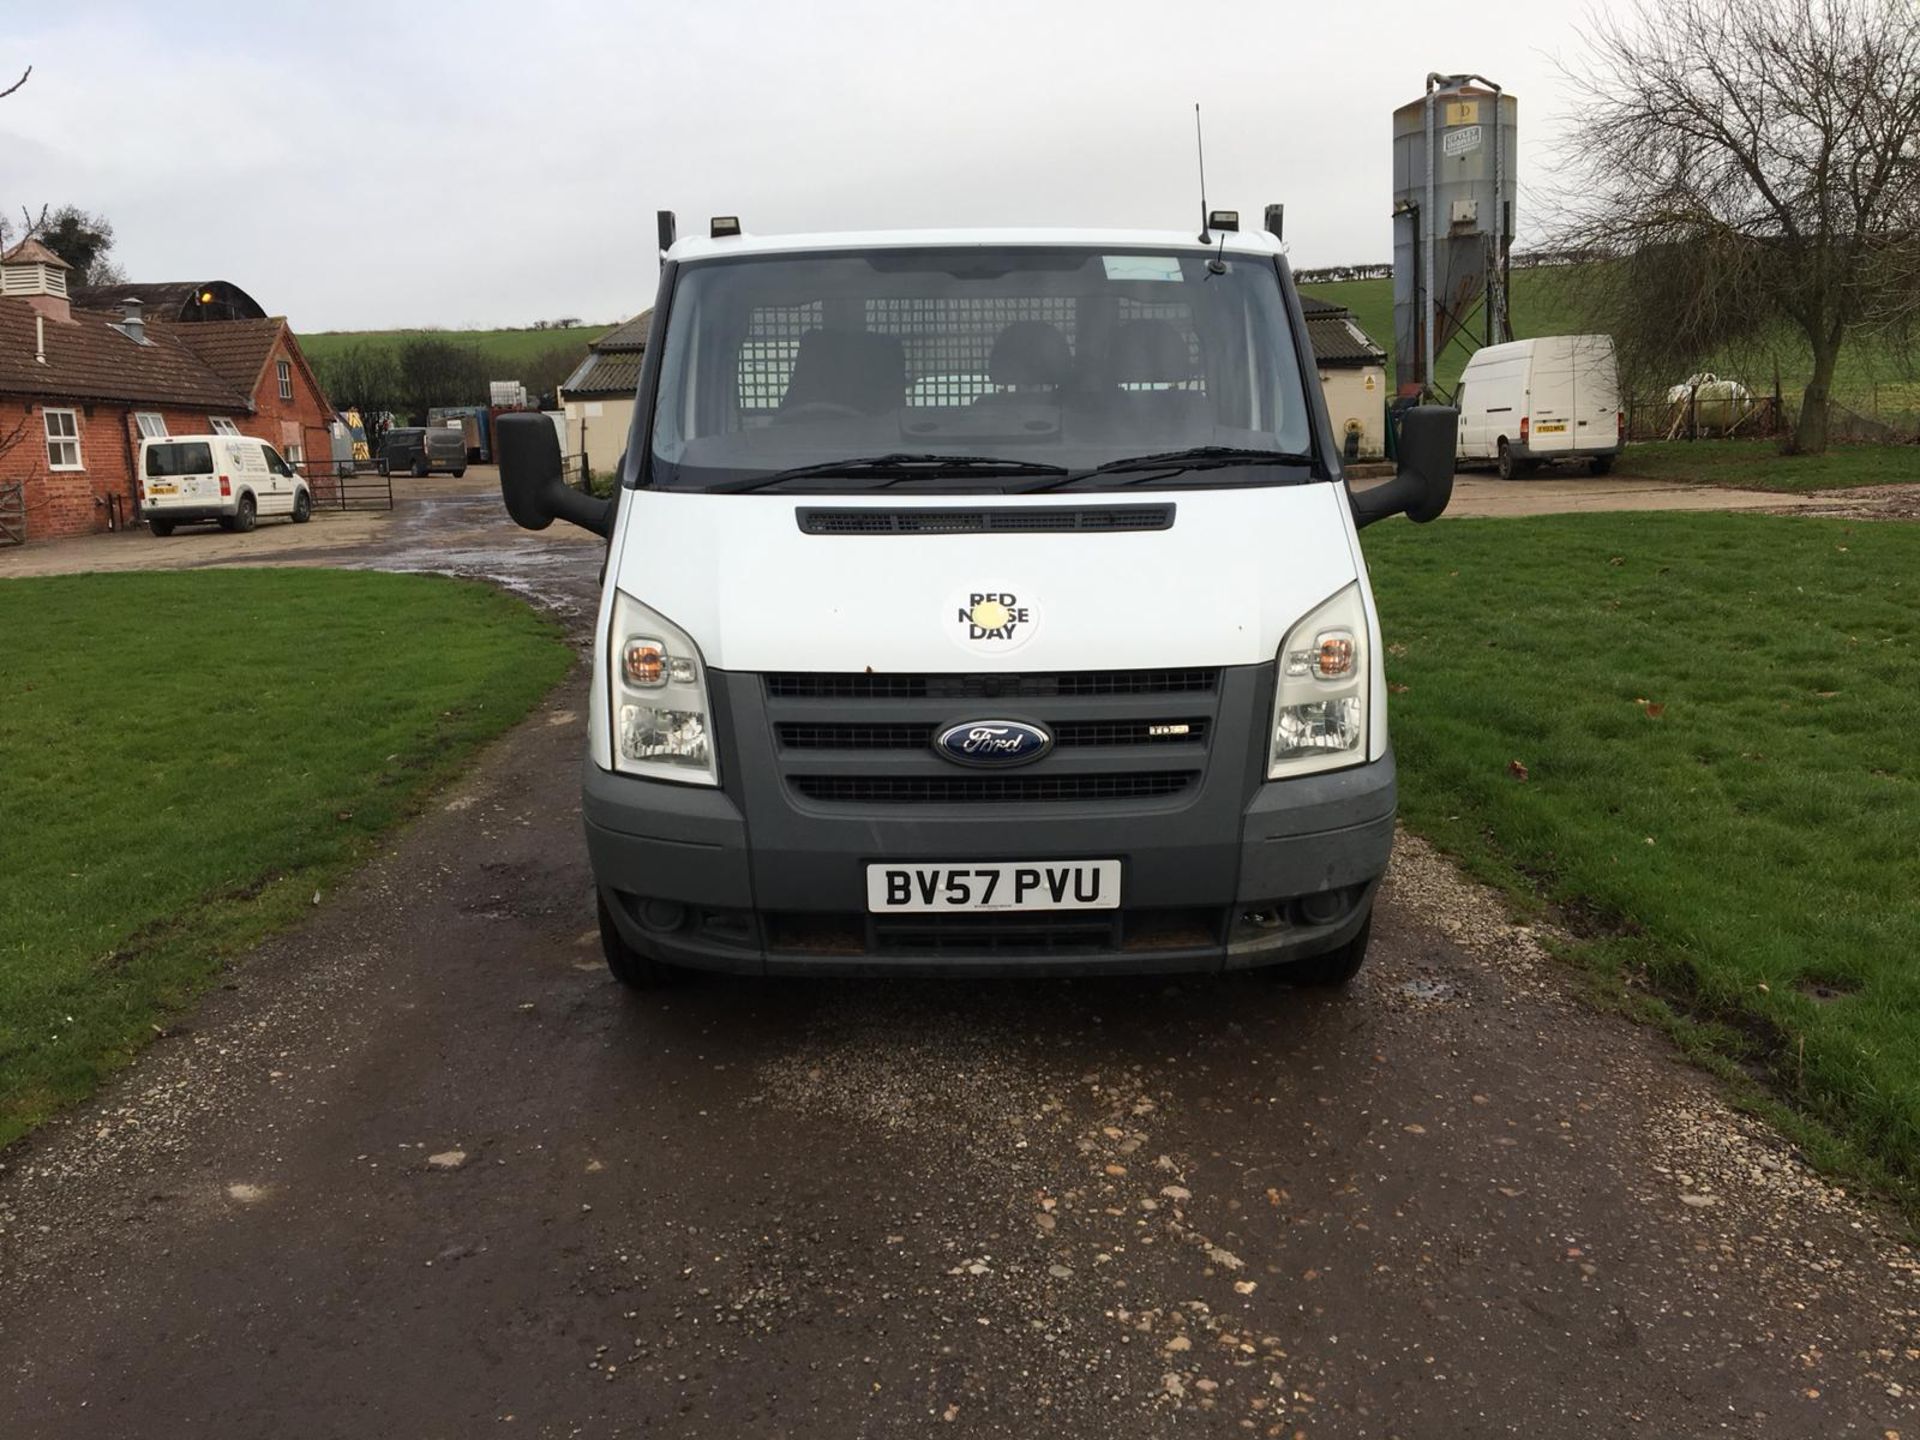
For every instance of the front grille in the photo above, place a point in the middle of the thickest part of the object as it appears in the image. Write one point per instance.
(862, 739)
(856, 737)
(1041, 686)
(990, 789)
(1074, 733)
(1068, 734)
(1026, 519)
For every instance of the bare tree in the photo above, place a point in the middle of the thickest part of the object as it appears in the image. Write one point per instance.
(17, 84)
(29, 227)
(1744, 166)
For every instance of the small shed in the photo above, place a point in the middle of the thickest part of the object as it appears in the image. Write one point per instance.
(1353, 376)
(597, 399)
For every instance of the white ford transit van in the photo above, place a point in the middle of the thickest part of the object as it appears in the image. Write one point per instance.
(983, 601)
(1555, 398)
(229, 478)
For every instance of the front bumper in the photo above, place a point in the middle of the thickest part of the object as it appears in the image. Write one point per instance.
(693, 881)
(188, 514)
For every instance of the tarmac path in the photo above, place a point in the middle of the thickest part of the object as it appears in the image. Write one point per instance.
(420, 1169)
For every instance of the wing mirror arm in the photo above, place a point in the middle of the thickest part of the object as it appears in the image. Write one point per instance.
(1424, 483)
(532, 483)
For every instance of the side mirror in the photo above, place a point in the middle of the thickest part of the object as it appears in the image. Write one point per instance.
(1424, 484)
(531, 483)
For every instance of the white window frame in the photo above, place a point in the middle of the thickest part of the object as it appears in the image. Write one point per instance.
(68, 439)
(222, 425)
(153, 425)
(285, 370)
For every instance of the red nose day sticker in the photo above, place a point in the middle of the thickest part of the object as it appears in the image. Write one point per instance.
(992, 619)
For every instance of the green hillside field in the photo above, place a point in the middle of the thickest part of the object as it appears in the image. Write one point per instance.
(1546, 302)
(506, 347)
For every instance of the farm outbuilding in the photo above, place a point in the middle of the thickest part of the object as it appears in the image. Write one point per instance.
(1353, 377)
(175, 301)
(81, 384)
(597, 398)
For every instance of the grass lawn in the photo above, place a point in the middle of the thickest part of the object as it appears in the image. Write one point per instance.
(1759, 465)
(1721, 776)
(185, 758)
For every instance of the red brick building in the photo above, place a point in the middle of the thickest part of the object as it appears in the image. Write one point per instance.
(84, 377)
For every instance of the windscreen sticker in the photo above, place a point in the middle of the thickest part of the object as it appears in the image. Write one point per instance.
(1142, 267)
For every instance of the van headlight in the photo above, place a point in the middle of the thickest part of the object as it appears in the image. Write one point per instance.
(662, 720)
(1320, 696)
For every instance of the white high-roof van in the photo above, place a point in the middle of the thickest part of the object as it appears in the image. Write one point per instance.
(984, 601)
(229, 478)
(1554, 398)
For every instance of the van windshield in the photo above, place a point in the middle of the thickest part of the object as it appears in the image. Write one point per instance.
(960, 369)
(182, 457)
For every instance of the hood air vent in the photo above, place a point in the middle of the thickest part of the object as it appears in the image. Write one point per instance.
(998, 520)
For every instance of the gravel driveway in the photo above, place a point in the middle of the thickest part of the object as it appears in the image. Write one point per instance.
(421, 1169)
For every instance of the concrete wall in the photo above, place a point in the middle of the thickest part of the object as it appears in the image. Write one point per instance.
(603, 422)
(1358, 394)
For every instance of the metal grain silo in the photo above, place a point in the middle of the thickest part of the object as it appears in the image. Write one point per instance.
(1453, 189)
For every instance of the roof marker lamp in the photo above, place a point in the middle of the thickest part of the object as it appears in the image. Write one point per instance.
(1320, 694)
(723, 227)
(662, 721)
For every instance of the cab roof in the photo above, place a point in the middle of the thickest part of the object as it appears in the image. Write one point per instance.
(1242, 242)
(201, 435)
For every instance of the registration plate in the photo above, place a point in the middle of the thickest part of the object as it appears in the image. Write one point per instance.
(163, 489)
(984, 888)
(1552, 427)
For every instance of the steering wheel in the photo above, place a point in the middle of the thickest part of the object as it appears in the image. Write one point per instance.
(818, 409)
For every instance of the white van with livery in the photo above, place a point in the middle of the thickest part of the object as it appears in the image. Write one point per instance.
(983, 601)
(1551, 399)
(232, 479)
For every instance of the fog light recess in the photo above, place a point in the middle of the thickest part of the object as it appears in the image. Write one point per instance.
(662, 915)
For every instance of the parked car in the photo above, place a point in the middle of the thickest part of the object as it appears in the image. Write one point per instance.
(420, 450)
(1554, 398)
(1085, 674)
(233, 479)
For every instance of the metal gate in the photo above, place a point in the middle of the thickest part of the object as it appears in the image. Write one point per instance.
(13, 514)
(340, 483)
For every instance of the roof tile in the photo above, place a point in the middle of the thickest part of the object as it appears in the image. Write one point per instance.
(606, 374)
(89, 358)
(631, 335)
(235, 350)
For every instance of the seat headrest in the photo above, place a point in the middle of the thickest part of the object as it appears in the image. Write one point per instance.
(856, 368)
(1030, 352)
(1149, 352)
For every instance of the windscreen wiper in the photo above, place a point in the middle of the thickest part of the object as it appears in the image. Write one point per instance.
(888, 469)
(1173, 462)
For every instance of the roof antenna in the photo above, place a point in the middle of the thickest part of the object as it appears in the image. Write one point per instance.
(1200, 144)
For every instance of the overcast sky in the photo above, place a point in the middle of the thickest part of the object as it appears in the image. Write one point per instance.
(469, 162)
